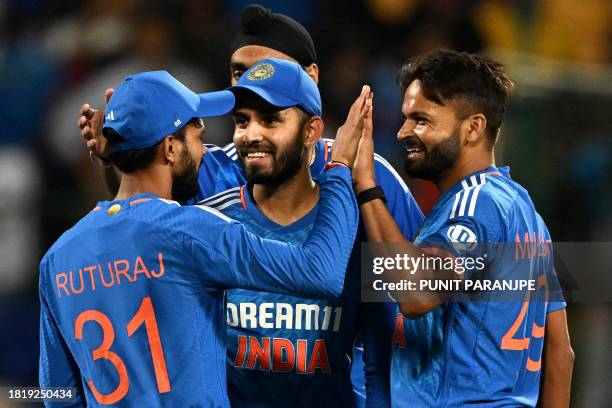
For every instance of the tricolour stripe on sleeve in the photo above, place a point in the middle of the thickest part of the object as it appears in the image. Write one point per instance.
(219, 196)
(466, 199)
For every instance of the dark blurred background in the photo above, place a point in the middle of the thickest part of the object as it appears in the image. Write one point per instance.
(56, 55)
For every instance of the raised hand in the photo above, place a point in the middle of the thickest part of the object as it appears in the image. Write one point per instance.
(363, 169)
(349, 134)
(90, 122)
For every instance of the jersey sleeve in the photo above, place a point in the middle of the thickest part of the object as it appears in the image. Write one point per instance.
(557, 300)
(473, 236)
(57, 368)
(254, 263)
(400, 202)
(219, 171)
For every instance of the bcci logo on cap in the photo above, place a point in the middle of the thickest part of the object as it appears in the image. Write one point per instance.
(261, 72)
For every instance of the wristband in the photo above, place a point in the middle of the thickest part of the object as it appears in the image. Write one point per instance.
(371, 194)
(333, 164)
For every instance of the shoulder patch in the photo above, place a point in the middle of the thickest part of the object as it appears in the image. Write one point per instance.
(461, 233)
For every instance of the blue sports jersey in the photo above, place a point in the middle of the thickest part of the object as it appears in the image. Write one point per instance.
(287, 351)
(492, 349)
(254, 385)
(132, 297)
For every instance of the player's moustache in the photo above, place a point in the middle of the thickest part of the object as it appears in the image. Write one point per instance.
(414, 144)
(256, 147)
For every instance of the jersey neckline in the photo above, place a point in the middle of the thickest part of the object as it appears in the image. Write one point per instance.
(251, 207)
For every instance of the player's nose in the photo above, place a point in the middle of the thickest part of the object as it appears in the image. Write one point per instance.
(406, 131)
(252, 134)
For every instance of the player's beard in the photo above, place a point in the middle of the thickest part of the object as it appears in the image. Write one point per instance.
(285, 164)
(185, 181)
(436, 159)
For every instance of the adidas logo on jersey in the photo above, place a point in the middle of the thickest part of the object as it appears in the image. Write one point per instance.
(110, 116)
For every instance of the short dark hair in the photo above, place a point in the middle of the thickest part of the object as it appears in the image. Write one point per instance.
(478, 81)
(130, 161)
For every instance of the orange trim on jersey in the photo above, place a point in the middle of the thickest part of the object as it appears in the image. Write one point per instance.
(242, 200)
(495, 173)
(326, 150)
(534, 365)
(138, 201)
(97, 208)
(537, 331)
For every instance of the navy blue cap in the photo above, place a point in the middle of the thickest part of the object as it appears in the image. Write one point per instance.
(149, 106)
(283, 84)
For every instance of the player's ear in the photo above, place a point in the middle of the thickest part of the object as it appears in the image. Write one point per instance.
(475, 128)
(313, 71)
(313, 130)
(169, 145)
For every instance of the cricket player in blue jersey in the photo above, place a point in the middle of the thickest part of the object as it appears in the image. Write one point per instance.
(290, 351)
(495, 353)
(132, 297)
(264, 34)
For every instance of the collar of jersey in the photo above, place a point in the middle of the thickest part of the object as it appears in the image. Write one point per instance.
(270, 225)
(494, 171)
(138, 198)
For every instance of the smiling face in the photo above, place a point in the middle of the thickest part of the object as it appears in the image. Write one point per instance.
(431, 134)
(270, 142)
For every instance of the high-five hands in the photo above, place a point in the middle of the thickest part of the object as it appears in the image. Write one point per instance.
(363, 169)
(345, 146)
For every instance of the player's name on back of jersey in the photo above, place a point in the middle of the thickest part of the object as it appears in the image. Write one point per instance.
(300, 316)
(108, 274)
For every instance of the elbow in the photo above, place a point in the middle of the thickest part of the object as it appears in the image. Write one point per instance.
(562, 356)
(570, 355)
(327, 290)
(416, 310)
(326, 285)
(333, 287)
(565, 353)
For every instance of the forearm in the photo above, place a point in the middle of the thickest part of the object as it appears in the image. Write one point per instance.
(381, 228)
(379, 224)
(335, 227)
(557, 379)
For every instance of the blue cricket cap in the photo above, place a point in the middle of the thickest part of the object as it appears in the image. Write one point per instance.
(283, 84)
(149, 106)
